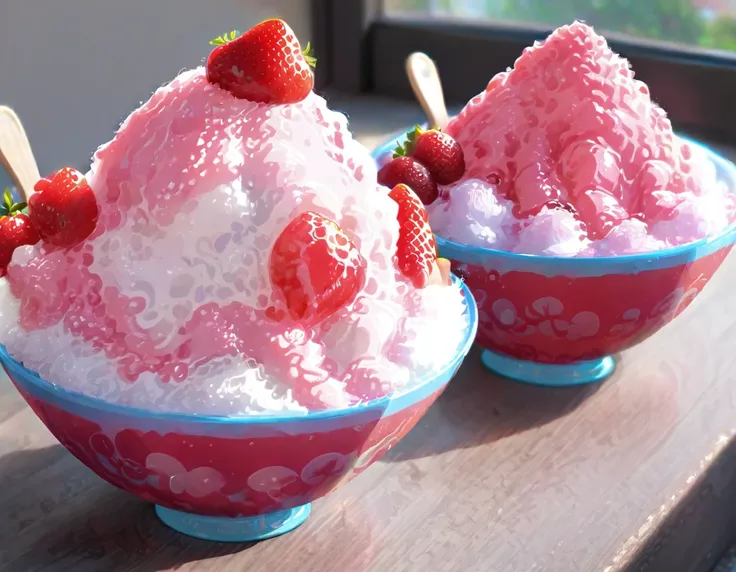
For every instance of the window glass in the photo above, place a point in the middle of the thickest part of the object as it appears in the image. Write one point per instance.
(707, 24)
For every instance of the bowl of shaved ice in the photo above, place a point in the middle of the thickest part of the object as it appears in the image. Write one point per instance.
(227, 316)
(580, 221)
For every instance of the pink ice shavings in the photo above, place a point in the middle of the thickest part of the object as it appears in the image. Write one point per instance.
(569, 131)
(172, 289)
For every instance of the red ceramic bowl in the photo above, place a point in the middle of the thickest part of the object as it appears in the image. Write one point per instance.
(231, 478)
(558, 321)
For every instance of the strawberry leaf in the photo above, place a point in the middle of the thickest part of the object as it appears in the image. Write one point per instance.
(9, 208)
(225, 38)
(19, 208)
(8, 200)
(310, 59)
(407, 148)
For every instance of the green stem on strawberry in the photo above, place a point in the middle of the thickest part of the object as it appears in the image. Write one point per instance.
(407, 148)
(435, 151)
(308, 57)
(230, 36)
(16, 230)
(9, 208)
(224, 39)
(266, 64)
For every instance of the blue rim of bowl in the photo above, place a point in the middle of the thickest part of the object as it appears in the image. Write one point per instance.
(382, 403)
(592, 266)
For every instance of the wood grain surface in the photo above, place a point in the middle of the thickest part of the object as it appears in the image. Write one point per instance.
(635, 474)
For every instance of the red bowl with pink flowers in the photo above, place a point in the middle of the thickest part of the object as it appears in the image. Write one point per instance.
(559, 321)
(237, 478)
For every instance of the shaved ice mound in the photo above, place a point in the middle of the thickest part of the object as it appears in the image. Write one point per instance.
(567, 155)
(169, 305)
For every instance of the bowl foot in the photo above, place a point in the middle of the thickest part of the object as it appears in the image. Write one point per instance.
(548, 374)
(245, 529)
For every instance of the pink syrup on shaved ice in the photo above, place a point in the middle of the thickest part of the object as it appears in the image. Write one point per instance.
(168, 305)
(567, 155)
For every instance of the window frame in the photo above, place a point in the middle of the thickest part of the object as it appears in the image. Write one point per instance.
(697, 88)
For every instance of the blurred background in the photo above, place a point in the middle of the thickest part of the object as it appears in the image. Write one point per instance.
(709, 24)
(74, 69)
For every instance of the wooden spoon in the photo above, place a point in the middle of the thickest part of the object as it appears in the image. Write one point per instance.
(427, 87)
(15, 153)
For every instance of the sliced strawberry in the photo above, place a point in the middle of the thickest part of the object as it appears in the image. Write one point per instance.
(266, 64)
(416, 249)
(437, 151)
(408, 171)
(15, 230)
(316, 267)
(63, 209)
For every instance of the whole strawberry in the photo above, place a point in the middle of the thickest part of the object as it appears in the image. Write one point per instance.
(15, 230)
(408, 171)
(416, 250)
(63, 209)
(437, 151)
(265, 64)
(316, 267)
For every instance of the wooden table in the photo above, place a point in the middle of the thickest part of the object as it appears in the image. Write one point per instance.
(638, 473)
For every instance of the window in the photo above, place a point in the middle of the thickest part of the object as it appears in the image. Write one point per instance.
(684, 49)
(708, 24)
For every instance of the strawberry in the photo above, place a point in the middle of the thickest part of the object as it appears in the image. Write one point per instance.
(266, 64)
(63, 209)
(15, 230)
(416, 249)
(408, 171)
(437, 151)
(316, 267)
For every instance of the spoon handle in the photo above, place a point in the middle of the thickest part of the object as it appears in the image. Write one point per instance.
(425, 81)
(15, 153)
